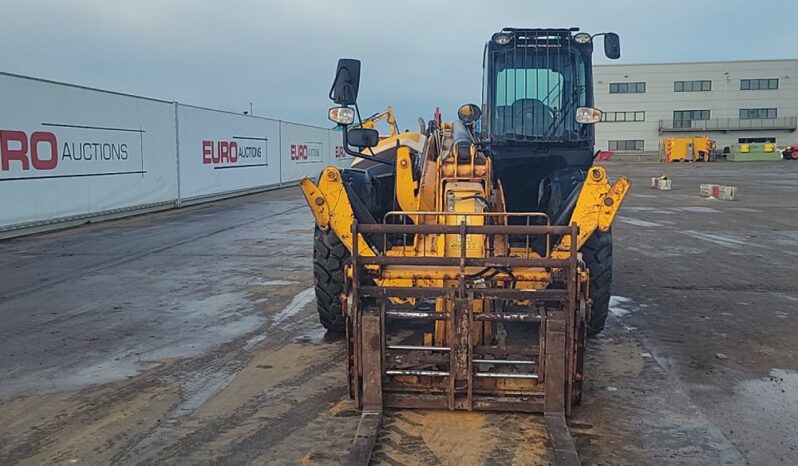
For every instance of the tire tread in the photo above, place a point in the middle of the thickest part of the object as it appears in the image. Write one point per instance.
(329, 258)
(597, 254)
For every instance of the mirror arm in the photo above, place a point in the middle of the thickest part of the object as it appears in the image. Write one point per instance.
(362, 156)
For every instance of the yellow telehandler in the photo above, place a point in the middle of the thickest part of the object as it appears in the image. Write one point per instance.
(421, 233)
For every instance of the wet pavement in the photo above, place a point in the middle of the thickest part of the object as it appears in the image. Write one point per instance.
(190, 337)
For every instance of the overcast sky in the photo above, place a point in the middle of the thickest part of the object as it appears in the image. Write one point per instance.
(281, 55)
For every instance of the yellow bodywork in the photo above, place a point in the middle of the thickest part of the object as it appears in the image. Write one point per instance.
(454, 187)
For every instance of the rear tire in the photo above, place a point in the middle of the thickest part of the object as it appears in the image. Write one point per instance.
(597, 254)
(329, 257)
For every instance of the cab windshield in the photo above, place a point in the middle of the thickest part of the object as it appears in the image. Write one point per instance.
(536, 92)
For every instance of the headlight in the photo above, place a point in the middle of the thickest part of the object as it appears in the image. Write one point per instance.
(502, 39)
(341, 115)
(588, 115)
(582, 38)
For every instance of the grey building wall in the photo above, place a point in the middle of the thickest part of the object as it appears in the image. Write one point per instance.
(724, 101)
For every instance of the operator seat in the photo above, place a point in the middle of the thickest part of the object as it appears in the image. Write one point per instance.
(531, 117)
(525, 117)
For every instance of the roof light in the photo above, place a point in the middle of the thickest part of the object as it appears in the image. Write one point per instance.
(502, 39)
(582, 38)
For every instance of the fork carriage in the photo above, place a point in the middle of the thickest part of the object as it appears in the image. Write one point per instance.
(486, 343)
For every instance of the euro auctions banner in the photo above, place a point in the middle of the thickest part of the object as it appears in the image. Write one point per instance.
(223, 152)
(305, 151)
(64, 150)
(338, 156)
(67, 151)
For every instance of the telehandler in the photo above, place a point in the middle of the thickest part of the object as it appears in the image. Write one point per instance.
(488, 236)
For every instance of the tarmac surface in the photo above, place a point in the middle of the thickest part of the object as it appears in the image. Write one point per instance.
(190, 337)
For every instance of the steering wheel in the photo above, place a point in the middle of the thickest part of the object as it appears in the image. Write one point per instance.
(532, 116)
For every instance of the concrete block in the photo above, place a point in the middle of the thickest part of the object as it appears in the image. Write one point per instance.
(717, 191)
(661, 182)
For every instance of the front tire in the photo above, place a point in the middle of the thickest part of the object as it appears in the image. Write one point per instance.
(597, 254)
(329, 257)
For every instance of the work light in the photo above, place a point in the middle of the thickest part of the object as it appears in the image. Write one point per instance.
(588, 115)
(582, 38)
(501, 39)
(341, 115)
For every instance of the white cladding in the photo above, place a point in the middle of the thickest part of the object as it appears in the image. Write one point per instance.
(224, 152)
(305, 151)
(68, 152)
(724, 101)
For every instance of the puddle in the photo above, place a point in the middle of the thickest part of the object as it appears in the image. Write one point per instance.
(777, 392)
(664, 250)
(745, 209)
(787, 238)
(653, 210)
(274, 283)
(299, 302)
(637, 222)
(703, 210)
(620, 306)
(317, 336)
(717, 238)
(767, 416)
(254, 341)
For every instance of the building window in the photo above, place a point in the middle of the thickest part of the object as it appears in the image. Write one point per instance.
(613, 117)
(756, 140)
(627, 144)
(627, 88)
(758, 113)
(759, 84)
(692, 86)
(684, 118)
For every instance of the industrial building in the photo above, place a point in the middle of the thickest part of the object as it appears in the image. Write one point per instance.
(731, 102)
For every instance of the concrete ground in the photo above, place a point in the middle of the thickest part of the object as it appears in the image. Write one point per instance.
(190, 337)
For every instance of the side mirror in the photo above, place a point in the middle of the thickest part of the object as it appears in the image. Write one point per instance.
(347, 81)
(363, 137)
(612, 46)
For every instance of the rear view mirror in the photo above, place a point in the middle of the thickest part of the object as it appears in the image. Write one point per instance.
(362, 137)
(612, 46)
(347, 81)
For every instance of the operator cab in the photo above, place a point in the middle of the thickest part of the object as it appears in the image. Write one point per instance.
(538, 112)
(534, 82)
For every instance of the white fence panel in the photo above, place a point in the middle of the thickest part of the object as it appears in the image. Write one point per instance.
(305, 151)
(223, 152)
(338, 157)
(68, 152)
